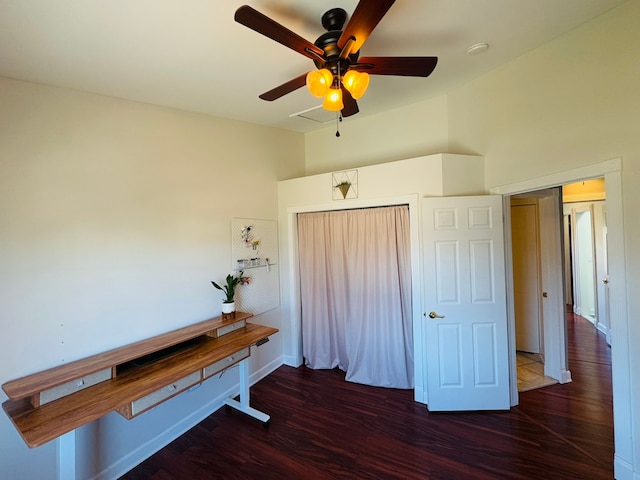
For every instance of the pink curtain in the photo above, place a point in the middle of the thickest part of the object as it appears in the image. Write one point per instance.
(355, 282)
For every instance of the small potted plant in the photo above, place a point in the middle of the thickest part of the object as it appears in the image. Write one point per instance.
(344, 187)
(229, 289)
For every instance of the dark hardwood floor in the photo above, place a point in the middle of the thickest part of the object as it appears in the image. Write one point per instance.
(325, 428)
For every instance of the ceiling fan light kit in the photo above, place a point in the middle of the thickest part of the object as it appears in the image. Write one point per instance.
(333, 100)
(356, 82)
(341, 77)
(319, 82)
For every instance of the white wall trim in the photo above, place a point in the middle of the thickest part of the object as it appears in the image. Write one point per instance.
(511, 326)
(623, 406)
(623, 470)
(565, 376)
(556, 179)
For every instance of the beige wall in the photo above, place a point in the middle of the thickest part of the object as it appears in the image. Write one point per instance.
(570, 103)
(413, 131)
(114, 217)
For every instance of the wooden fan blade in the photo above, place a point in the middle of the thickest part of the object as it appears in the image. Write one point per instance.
(403, 66)
(362, 22)
(350, 105)
(250, 17)
(285, 88)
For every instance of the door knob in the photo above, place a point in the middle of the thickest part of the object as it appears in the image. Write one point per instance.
(435, 315)
(605, 281)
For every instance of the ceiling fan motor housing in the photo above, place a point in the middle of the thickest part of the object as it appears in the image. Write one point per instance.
(333, 20)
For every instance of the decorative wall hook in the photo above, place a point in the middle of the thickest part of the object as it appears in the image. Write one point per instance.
(345, 184)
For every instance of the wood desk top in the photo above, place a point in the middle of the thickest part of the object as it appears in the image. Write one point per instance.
(38, 382)
(47, 422)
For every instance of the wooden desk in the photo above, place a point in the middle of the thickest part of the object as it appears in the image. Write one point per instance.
(135, 382)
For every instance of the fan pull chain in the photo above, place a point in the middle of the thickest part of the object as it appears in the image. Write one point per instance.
(338, 114)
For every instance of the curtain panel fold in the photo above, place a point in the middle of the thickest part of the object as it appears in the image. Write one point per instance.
(355, 283)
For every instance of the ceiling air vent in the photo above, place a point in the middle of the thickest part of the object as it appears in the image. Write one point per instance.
(316, 114)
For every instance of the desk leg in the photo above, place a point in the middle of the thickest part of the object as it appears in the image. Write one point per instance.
(243, 404)
(67, 456)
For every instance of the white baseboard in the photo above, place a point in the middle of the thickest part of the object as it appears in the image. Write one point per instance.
(623, 470)
(291, 361)
(603, 329)
(565, 376)
(419, 395)
(264, 371)
(139, 455)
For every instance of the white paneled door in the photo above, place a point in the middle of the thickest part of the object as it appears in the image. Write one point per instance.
(465, 302)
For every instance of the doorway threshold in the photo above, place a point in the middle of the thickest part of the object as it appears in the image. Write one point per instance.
(531, 372)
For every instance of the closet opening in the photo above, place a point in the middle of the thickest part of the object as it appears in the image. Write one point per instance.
(355, 278)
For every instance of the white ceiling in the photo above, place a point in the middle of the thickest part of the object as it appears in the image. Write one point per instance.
(192, 55)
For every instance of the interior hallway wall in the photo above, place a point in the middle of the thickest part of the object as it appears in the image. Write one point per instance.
(413, 131)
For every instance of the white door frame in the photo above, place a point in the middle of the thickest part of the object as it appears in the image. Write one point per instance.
(611, 170)
(602, 270)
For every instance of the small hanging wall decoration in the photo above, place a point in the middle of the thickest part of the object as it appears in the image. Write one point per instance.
(248, 238)
(344, 184)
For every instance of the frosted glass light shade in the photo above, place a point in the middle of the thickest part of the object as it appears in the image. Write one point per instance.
(319, 82)
(333, 100)
(356, 82)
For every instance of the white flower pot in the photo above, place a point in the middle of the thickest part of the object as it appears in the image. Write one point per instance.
(229, 307)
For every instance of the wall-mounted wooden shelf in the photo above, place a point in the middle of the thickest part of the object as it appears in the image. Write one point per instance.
(128, 379)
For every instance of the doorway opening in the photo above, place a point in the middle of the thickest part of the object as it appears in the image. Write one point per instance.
(574, 215)
(586, 252)
(534, 218)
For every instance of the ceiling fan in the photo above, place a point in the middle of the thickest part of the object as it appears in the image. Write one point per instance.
(341, 76)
